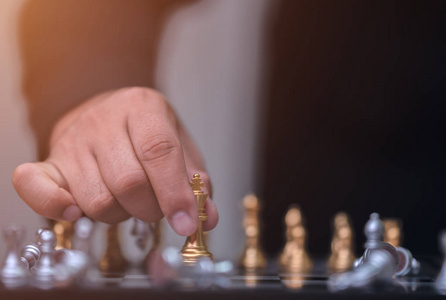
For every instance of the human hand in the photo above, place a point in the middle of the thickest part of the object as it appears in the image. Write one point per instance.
(120, 154)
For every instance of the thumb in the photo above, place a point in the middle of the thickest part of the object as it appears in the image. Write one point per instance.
(44, 189)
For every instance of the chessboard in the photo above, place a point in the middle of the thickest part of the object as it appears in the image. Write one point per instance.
(266, 284)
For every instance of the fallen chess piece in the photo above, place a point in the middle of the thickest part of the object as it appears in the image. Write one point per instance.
(379, 268)
(381, 261)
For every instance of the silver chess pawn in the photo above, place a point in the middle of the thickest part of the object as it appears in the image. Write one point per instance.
(374, 231)
(44, 272)
(14, 271)
(30, 255)
(83, 230)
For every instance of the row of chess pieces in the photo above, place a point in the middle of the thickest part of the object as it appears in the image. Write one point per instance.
(62, 256)
(383, 261)
(294, 257)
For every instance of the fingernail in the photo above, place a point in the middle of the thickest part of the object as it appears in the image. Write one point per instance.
(72, 213)
(183, 224)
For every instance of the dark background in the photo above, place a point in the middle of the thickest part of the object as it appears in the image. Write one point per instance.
(355, 118)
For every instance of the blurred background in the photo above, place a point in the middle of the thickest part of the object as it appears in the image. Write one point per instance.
(330, 105)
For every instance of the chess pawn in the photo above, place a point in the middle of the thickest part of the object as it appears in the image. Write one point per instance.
(30, 254)
(14, 271)
(83, 230)
(64, 232)
(342, 254)
(195, 246)
(113, 262)
(294, 257)
(374, 231)
(252, 256)
(43, 274)
(392, 232)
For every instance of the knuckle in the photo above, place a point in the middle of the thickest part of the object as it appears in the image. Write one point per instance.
(100, 205)
(143, 95)
(157, 148)
(128, 182)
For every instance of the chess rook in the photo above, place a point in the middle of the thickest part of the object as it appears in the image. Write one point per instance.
(195, 247)
(252, 256)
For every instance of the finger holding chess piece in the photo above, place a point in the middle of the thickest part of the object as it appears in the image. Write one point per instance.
(195, 246)
(252, 257)
(342, 252)
(294, 257)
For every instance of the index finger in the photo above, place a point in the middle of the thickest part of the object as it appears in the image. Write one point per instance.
(157, 146)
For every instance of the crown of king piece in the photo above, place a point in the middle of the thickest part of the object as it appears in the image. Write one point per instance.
(196, 184)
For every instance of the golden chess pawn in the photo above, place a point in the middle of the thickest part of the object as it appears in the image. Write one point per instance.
(294, 257)
(113, 262)
(64, 231)
(392, 232)
(342, 253)
(195, 246)
(252, 256)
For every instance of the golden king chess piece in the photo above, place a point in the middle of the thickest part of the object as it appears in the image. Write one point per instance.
(252, 256)
(64, 231)
(113, 262)
(392, 232)
(195, 246)
(342, 252)
(294, 257)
